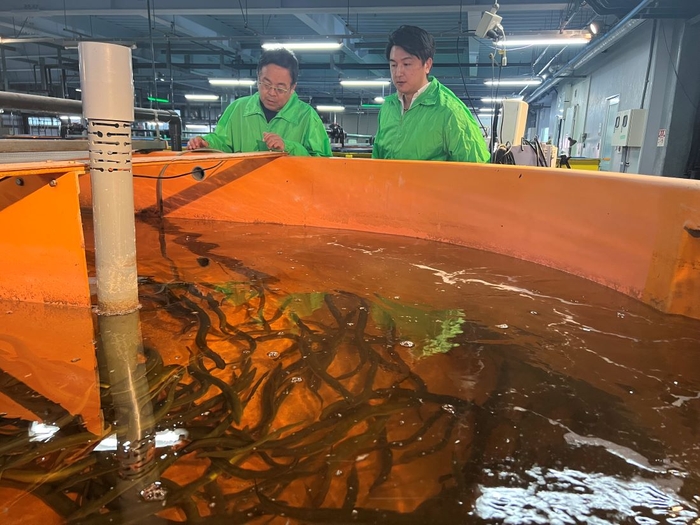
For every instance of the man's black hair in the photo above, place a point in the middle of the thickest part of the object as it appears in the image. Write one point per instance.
(414, 40)
(281, 57)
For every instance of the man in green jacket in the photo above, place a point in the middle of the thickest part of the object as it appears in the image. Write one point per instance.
(273, 118)
(424, 120)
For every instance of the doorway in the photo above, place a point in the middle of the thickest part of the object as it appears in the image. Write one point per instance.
(606, 147)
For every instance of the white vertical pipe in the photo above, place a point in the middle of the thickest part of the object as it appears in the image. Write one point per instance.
(107, 86)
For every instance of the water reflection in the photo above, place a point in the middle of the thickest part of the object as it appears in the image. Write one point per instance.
(286, 378)
(546, 496)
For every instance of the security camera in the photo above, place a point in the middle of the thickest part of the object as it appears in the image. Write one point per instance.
(489, 23)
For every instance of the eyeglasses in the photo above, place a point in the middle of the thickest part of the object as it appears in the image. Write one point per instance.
(262, 84)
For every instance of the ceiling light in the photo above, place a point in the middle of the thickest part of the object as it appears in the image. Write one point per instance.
(231, 81)
(303, 46)
(197, 127)
(594, 28)
(485, 110)
(364, 83)
(488, 100)
(379, 100)
(331, 109)
(193, 96)
(543, 41)
(514, 82)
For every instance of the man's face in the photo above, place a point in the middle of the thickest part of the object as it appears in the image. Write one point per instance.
(408, 73)
(275, 86)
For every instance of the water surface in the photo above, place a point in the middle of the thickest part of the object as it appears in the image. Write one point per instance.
(297, 375)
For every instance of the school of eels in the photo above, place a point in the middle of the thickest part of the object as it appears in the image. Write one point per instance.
(375, 392)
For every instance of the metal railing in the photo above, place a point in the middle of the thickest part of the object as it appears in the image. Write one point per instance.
(52, 105)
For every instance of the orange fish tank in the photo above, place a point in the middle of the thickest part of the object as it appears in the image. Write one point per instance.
(343, 340)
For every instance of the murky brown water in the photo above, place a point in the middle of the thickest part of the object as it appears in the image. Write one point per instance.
(293, 375)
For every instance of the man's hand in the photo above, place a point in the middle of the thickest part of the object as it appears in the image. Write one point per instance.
(273, 141)
(197, 143)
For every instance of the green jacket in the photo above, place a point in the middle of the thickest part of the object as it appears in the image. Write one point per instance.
(438, 126)
(241, 128)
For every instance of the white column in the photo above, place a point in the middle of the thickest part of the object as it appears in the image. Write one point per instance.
(107, 86)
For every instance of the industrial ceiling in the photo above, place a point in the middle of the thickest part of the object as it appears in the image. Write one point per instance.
(178, 45)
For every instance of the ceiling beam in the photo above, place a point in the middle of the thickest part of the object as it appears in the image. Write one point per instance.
(264, 7)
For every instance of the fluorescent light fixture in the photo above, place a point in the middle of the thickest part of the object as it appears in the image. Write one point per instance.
(485, 110)
(544, 41)
(198, 127)
(514, 82)
(488, 100)
(379, 100)
(193, 96)
(331, 109)
(364, 83)
(594, 28)
(303, 46)
(231, 81)
(78, 90)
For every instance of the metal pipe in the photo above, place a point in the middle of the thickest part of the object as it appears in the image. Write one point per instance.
(175, 129)
(622, 28)
(107, 87)
(153, 53)
(52, 105)
(42, 74)
(3, 65)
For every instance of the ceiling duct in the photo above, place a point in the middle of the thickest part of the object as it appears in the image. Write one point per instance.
(618, 8)
(623, 27)
(661, 9)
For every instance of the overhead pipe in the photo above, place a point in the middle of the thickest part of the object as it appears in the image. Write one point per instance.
(107, 88)
(622, 28)
(563, 26)
(602, 9)
(53, 105)
(3, 69)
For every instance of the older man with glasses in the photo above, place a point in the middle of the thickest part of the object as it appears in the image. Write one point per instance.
(273, 118)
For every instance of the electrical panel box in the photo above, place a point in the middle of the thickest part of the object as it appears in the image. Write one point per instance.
(513, 120)
(629, 128)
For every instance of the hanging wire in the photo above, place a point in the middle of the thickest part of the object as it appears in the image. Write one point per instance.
(466, 90)
(244, 13)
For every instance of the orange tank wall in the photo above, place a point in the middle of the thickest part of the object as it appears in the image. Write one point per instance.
(636, 234)
(42, 253)
(631, 233)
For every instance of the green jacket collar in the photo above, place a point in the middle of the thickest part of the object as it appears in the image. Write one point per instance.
(287, 113)
(429, 97)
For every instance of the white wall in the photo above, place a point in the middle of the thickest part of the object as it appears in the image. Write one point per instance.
(622, 70)
(618, 71)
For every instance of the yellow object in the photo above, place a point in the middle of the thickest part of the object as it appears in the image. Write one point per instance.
(584, 164)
